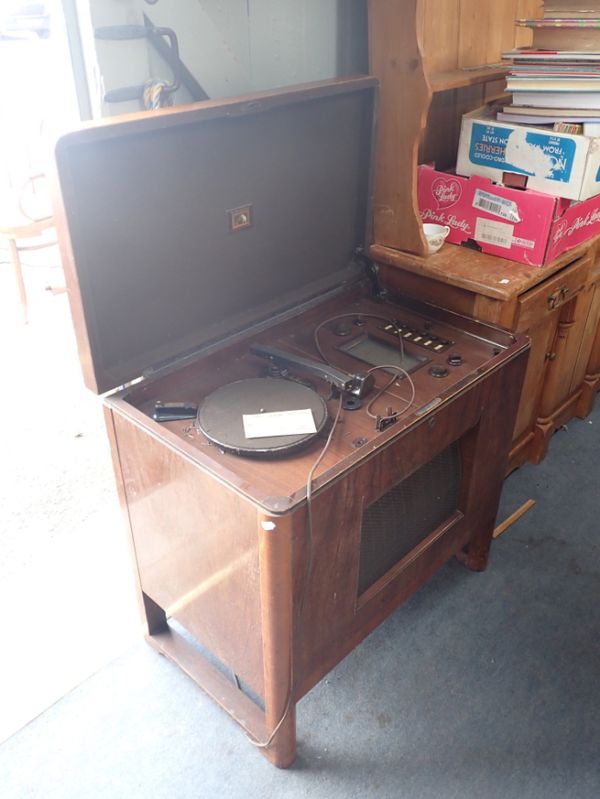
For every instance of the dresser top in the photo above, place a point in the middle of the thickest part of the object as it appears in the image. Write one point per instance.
(474, 271)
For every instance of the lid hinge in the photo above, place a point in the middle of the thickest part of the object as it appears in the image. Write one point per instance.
(372, 273)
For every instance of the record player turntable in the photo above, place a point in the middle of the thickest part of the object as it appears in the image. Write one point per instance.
(297, 450)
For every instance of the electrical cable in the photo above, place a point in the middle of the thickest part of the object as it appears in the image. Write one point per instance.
(306, 582)
(309, 489)
(386, 387)
(382, 391)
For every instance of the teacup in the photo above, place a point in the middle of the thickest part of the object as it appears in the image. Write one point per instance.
(435, 235)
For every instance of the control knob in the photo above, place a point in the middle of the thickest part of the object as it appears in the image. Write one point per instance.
(342, 329)
(438, 371)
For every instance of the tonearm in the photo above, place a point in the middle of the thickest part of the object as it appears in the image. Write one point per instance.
(356, 385)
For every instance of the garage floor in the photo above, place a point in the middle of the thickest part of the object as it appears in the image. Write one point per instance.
(482, 686)
(65, 586)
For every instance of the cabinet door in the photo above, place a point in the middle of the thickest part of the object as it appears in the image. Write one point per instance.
(593, 366)
(561, 363)
(570, 350)
(552, 294)
(541, 335)
(550, 314)
(588, 360)
(585, 332)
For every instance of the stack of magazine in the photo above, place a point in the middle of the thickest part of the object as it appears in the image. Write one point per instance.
(557, 80)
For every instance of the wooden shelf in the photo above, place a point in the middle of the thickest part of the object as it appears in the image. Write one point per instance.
(471, 76)
(436, 60)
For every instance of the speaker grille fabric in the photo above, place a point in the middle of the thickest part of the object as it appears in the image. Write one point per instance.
(399, 520)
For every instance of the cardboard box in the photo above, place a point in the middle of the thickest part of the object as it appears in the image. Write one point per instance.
(559, 164)
(522, 225)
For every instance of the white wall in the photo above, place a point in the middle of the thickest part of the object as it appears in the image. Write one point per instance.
(213, 41)
(239, 46)
(292, 42)
(231, 46)
(112, 64)
(38, 102)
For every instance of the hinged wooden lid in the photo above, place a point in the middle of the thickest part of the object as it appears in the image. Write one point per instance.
(181, 227)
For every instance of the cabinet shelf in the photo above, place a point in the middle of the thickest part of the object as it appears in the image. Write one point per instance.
(477, 272)
(470, 76)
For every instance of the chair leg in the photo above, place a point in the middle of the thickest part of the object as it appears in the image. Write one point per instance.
(18, 270)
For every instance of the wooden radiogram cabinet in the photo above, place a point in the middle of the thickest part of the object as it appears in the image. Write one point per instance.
(257, 575)
(438, 59)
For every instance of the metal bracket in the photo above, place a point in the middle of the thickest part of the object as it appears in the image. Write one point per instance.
(372, 273)
(129, 32)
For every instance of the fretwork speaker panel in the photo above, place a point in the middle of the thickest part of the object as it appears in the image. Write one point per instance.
(394, 524)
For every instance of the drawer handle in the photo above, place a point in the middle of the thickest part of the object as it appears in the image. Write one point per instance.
(557, 297)
(550, 356)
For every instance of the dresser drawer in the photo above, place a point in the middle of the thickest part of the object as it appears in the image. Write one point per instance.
(552, 293)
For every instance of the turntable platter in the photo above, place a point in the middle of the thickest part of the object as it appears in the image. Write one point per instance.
(220, 417)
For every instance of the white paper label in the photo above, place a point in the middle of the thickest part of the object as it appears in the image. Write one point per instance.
(498, 233)
(527, 244)
(498, 206)
(278, 423)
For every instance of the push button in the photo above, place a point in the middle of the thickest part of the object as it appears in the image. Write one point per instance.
(455, 360)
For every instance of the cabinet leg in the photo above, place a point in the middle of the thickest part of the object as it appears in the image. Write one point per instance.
(544, 428)
(589, 390)
(281, 751)
(475, 555)
(277, 612)
(154, 615)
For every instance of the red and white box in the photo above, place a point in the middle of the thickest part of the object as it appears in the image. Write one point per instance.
(519, 224)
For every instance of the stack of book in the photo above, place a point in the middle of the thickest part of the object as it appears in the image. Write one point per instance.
(557, 80)
(520, 191)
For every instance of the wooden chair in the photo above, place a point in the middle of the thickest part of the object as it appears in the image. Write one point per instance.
(23, 226)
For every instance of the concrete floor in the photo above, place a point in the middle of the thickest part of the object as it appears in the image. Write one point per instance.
(482, 686)
(60, 522)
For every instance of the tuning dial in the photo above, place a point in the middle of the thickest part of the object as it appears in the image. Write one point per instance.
(455, 360)
(438, 371)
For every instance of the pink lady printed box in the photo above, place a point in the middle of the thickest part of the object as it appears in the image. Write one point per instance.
(521, 225)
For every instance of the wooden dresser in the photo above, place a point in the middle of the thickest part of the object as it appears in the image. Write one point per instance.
(438, 59)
